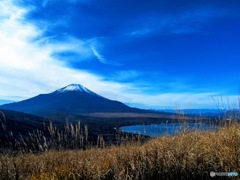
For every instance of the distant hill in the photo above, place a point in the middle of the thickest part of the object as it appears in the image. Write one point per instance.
(20, 123)
(72, 99)
(221, 112)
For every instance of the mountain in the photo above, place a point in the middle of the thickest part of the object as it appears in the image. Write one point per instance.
(72, 99)
(20, 123)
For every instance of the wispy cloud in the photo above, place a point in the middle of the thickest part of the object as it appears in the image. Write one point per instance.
(183, 22)
(28, 67)
(126, 75)
(142, 31)
(98, 56)
(80, 48)
(96, 46)
(45, 3)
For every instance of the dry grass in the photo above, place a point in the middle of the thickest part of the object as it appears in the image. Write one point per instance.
(186, 156)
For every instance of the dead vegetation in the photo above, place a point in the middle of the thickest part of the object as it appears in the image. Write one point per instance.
(190, 155)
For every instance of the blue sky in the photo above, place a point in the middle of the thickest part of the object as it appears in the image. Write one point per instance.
(149, 54)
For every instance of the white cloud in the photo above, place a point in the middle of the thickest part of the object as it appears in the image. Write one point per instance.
(141, 32)
(98, 56)
(27, 68)
(186, 22)
(81, 48)
(45, 3)
(126, 75)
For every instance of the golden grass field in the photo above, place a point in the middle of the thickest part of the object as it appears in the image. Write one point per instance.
(190, 155)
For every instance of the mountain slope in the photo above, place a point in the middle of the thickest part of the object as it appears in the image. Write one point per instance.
(72, 99)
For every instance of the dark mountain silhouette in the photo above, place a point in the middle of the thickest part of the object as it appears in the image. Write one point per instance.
(20, 123)
(72, 99)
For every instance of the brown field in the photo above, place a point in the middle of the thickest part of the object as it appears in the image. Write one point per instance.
(187, 156)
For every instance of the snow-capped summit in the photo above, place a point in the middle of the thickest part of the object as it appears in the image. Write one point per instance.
(75, 87)
(72, 99)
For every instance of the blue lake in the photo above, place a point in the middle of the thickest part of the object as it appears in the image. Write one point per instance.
(156, 130)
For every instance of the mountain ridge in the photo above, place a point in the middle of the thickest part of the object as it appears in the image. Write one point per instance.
(71, 99)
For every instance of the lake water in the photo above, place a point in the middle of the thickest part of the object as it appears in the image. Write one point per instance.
(156, 130)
